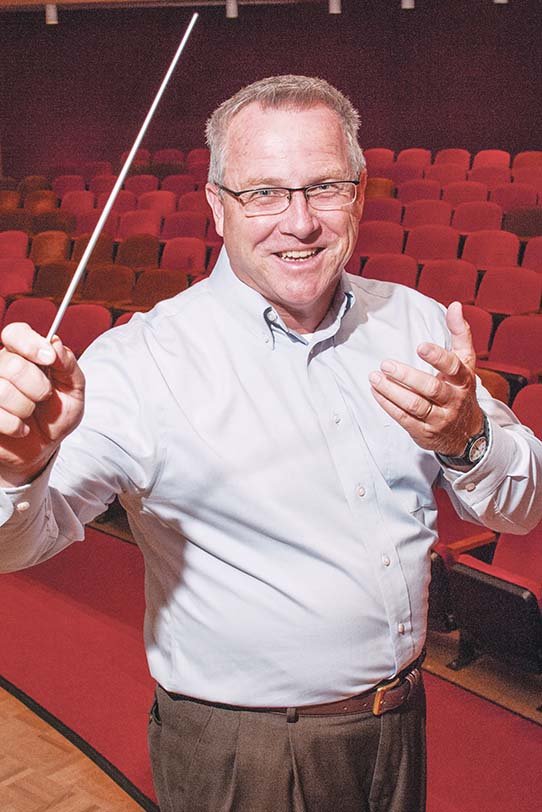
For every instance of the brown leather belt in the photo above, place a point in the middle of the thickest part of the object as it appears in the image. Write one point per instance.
(385, 697)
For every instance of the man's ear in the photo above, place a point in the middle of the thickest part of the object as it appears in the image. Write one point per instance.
(360, 196)
(215, 202)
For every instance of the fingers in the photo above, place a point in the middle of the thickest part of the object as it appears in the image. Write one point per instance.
(408, 383)
(460, 330)
(19, 338)
(447, 362)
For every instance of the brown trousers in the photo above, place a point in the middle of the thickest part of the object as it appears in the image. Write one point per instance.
(211, 759)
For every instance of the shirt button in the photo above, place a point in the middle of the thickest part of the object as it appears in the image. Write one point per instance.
(386, 560)
(337, 418)
(470, 487)
(272, 316)
(401, 628)
(361, 490)
(22, 506)
(267, 339)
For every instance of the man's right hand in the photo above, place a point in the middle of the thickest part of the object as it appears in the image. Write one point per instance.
(41, 401)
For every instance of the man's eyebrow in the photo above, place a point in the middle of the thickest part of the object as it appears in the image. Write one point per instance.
(259, 182)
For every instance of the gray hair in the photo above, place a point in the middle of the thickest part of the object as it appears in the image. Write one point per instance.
(288, 91)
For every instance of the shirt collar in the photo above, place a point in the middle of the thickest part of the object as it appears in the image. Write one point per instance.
(263, 321)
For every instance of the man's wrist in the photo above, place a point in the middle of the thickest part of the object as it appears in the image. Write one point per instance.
(474, 450)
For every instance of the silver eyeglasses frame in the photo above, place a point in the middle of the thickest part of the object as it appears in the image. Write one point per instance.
(283, 203)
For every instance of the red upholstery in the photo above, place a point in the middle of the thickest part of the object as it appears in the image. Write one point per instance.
(527, 159)
(516, 348)
(511, 195)
(81, 324)
(67, 183)
(138, 184)
(445, 173)
(491, 157)
(38, 313)
(382, 208)
(184, 224)
(490, 247)
(527, 406)
(13, 243)
(179, 184)
(102, 184)
(481, 324)
(378, 160)
(448, 281)
(477, 215)
(398, 268)
(161, 201)
(379, 237)
(510, 291)
(459, 156)
(416, 156)
(124, 201)
(184, 253)
(432, 242)
(142, 221)
(22, 266)
(427, 212)
(492, 176)
(421, 189)
(78, 201)
(532, 258)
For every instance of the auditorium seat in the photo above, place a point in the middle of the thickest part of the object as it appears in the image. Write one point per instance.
(515, 350)
(161, 201)
(55, 220)
(524, 221)
(495, 383)
(464, 191)
(142, 221)
(532, 258)
(124, 318)
(124, 201)
(489, 248)
(378, 160)
(102, 184)
(67, 183)
(398, 268)
(382, 208)
(511, 195)
(491, 157)
(426, 212)
(491, 176)
(81, 324)
(152, 286)
(477, 215)
(432, 242)
(527, 159)
(531, 175)
(86, 223)
(139, 184)
(481, 325)
(15, 220)
(415, 156)
(194, 201)
(50, 246)
(78, 201)
(40, 200)
(527, 406)
(101, 253)
(445, 173)
(185, 254)
(9, 199)
(90, 169)
(22, 266)
(53, 279)
(179, 184)
(184, 224)
(498, 604)
(142, 156)
(379, 187)
(138, 251)
(401, 173)
(13, 243)
(31, 183)
(108, 283)
(13, 283)
(448, 281)
(510, 291)
(197, 156)
(454, 155)
(38, 313)
(379, 237)
(168, 155)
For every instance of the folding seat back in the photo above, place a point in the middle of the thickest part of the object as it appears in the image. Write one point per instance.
(527, 159)
(179, 184)
(448, 281)
(139, 251)
(13, 283)
(91, 169)
(463, 191)
(31, 183)
(525, 221)
(101, 253)
(124, 318)
(489, 247)
(198, 155)
(15, 220)
(445, 173)
(492, 176)
(397, 268)
(379, 237)
(427, 212)
(184, 253)
(139, 184)
(418, 190)
(477, 215)
(495, 383)
(67, 183)
(378, 161)
(161, 201)
(532, 258)
(21, 266)
(531, 175)
(481, 325)
(52, 280)
(124, 201)
(81, 324)
(401, 173)
(50, 246)
(379, 187)
(510, 291)
(78, 201)
(13, 243)
(527, 407)
(416, 156)
(142, 221)
(453, 155)
(9, 199)
(184, 224)
(153, 286)
(38, 313)
(109, 284)
(102, 184)
(511, 195)
(432, 242)
(491, 157)
(194, 201)
(142, 156)
(56, 220)
(383, 208)
(515, 349)
(39, 201)
(86, 223)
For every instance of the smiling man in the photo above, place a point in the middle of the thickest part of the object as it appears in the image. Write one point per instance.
(274, 433)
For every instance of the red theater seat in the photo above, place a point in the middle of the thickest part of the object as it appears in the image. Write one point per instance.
(491, 157)
(81, 324)
(527, 406)
(432, 242)
(510, 291)
(382, 208)
(38, 313)
(515, 350)
(481, 325)
(477, 215)
(464, 191)
(490, 248)
(13, 243)
(448, 280)
(532, 258)
(426, 212)
(459, 156)
(398, 268)
(511, 195)
(379, 237)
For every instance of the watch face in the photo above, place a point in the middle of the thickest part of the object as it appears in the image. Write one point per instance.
(478, 449)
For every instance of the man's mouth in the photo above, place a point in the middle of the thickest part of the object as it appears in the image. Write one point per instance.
(298, 256)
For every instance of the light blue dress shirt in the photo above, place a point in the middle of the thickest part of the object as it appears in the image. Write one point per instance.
(285, 520)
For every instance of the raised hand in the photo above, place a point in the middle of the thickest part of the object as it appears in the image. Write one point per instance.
(440, 412)
(41, 401)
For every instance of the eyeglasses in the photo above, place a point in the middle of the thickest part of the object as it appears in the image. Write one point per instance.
(328, 196)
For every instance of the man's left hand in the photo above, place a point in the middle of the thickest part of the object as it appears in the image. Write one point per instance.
(440, 412)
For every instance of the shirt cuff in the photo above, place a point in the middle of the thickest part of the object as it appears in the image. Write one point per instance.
(25, 500)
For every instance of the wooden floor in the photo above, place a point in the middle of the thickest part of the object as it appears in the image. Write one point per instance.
(41, 770)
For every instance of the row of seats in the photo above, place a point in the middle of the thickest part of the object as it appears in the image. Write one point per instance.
(379, 158)
(507, 195)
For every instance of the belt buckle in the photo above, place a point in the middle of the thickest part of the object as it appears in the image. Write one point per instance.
(380, 694)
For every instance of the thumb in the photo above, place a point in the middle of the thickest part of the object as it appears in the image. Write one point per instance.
(461, 335)
(66, 372)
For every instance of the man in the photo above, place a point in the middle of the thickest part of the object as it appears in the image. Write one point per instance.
(274, 434)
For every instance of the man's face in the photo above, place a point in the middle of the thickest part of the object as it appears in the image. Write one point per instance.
(276, 147)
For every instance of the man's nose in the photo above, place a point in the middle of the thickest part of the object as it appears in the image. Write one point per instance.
(299, 218)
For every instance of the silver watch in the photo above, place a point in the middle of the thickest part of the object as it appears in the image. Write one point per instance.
(475, 449)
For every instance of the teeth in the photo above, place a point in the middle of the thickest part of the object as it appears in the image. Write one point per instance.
(297, 254)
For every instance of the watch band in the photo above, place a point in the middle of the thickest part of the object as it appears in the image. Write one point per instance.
(475, 449)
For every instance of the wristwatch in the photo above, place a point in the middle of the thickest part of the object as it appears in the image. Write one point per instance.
(474, 450)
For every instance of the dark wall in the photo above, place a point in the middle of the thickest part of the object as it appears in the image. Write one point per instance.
(451, 73)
